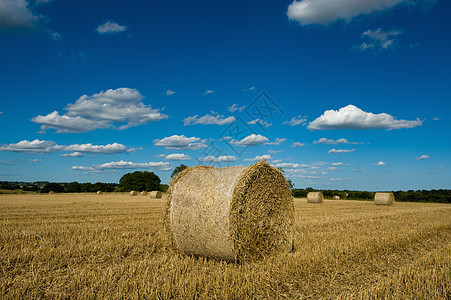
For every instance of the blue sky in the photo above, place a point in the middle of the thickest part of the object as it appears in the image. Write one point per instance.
(340, 94)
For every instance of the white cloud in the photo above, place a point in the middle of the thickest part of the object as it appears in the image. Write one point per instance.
(338, 179)
(35, 146)
(435, 118)
(291, 165)
(258, 158)
(209, 120)
(333, 168)
(422, 157)
(73, 154)
(352, 117)
(298, 144)
(337, 164)
(277, 142)
(162, 166)
(331, 142)
(5, 163)
(100, 111)
(250, 89)
(379, 39)
(169, 92)
(134, 149)
(296, 121)
(38, 146)
(327, 11)
(258, 121)
(274, 151)
(16, 14)
(340, 150)
(250, 141)
(36, 160)
(208, 92)
(381, 163)
(110, 27)
(224, 158)
(180, 142)
(178, 156)
(235, 108)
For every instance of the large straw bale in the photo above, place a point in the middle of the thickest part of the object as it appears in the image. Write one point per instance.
(234, 213)
(51, 192)
(144, 193)
(133, 193)
(99, 192)
(155, 194)
(384, 199)
(336, 197)
(315, 197)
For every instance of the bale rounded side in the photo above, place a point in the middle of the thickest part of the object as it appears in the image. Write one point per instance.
(336, 197)
(155, 194)
(133, 193)
(315, 197)
(384, 198)
(99, 192)
(144, 193)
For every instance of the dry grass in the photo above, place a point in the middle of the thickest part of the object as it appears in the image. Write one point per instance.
(114, 246)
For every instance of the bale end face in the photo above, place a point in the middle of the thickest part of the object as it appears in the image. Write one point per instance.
(133, 193)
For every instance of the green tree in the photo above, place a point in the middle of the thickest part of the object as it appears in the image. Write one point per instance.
(86, 187)
(140, 181)
(178, 170)
(53, 186)
(73, 187)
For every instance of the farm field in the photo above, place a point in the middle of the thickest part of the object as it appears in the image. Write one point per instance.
(114, 246)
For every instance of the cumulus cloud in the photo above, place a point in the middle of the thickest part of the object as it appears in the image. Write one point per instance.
(177, 156)
(110, 27)
(258, 121)
(381, 163)
(327, 11)
(277, 142)
(352, 117)
(337, 164)
(299, 120)
(73, 154)
(100, 111)
(250, 141)
(180, 142)
(169, 92)
(298, 144)
(162, 166)
(38, 146)
(340, 150)
(214, 119)
(223, 158)
(422, 157)
(331, 142)
(235, 108)
(379, 39)
(16, 14)
(258, 158)
(291, 165)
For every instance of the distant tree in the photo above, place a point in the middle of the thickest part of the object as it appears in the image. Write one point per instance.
(73, 187)
(86, 187)
(139, 181)
(53, 186)
(178, 170)
(30, 188)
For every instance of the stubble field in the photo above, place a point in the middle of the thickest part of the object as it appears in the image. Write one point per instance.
(114, 246)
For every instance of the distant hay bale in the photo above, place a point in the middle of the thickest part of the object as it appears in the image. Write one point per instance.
(155, 194)
(315, 197)
(51, 192)
(235, 214)
(133, 193)
(336, 197)
(99, 192)
(384, 199)
(144, 193)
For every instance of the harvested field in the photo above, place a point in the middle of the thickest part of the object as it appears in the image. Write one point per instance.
(114, 246)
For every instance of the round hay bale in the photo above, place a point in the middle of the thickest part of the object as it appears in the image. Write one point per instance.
(133, 193)
(315, 197)
(384, 199)
(51, 192)
(155, 194)
(144, 193)
(235, 214)
(99, 192)
(336, 197)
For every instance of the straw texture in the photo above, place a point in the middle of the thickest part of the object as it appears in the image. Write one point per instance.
(156, 194)
(315, 197)
(236, 213)
(144, 193)
(336, 197)
(99, 192)
(384, 199)
(133, 193)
